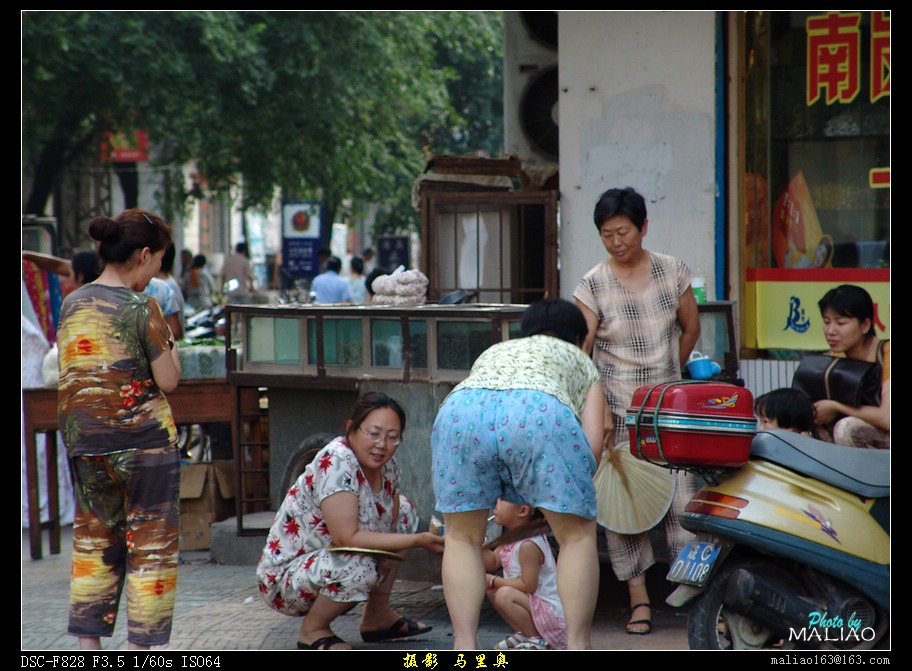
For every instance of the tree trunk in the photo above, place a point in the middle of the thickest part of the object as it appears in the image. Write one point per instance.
(46, 177)
(128, 176)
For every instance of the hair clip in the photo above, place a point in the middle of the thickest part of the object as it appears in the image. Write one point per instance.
(147, 218)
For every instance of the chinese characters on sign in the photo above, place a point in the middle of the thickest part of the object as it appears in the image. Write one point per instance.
(834, 64)
(880, 55)
(834, 57)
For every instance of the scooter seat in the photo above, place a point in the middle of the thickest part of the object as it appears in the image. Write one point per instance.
(858, 470)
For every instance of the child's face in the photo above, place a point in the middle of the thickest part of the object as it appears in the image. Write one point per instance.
(506, 514)
(765, 423)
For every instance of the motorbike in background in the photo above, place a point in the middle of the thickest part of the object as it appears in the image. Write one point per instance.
(209, 323)
(792, 549)
(207, 327)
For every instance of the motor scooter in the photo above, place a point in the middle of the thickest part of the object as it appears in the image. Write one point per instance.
(209, 323)
(792, 549)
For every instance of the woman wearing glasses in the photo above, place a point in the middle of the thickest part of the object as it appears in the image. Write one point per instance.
(347, 497)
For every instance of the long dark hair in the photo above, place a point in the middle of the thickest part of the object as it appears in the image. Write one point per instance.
(132, 229)
(370, 401)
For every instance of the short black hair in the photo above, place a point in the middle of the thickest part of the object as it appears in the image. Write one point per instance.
(556, 317)
(791, 408)
(334, 263)
(848, 300)
(624, 202)
(357, 264)
(369, 401)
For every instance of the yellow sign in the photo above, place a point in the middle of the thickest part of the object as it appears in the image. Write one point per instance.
(782, 312)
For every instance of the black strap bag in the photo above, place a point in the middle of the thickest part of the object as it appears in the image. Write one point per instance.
(848, 381)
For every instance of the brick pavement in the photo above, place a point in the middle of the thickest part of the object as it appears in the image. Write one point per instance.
(218, 609)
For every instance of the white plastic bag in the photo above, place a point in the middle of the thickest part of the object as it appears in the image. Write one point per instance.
(50, 369)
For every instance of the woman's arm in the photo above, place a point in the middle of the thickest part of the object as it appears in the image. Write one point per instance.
(689, 320)
(592, 323)
(340, 512)
(594, 418)
(166, 369)
(174, 323)
(490, 559)
(827, 411)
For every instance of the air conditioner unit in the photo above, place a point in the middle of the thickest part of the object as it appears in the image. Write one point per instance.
(531, 86)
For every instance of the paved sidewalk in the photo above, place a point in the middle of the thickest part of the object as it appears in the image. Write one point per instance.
(219, 609)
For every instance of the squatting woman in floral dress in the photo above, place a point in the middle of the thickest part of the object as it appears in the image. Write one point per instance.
(348, 497)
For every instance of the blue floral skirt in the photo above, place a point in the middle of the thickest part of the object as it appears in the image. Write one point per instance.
(520, 445)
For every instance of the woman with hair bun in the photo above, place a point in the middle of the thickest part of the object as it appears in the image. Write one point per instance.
(117, 361)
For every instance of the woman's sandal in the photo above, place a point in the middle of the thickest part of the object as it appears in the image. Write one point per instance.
(396, 630)
(635, 623)
(325, 643)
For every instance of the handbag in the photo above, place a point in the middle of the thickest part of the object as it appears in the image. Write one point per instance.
(847, 381)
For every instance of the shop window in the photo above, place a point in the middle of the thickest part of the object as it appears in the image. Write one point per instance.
(816, 172)
(817, 139)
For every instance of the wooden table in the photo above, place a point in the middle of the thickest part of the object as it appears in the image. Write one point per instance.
(193, 402)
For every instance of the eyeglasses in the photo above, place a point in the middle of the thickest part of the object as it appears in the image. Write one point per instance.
(377, 437)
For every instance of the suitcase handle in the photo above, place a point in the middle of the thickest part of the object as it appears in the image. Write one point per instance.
(655, 421)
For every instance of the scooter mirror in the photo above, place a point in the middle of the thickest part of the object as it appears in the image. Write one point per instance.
(231, 285)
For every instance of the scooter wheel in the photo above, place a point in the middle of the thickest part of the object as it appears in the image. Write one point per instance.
(302, 457)
(712, 626)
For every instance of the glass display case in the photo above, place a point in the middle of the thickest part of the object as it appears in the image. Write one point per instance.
(431, 342)
(318, 342)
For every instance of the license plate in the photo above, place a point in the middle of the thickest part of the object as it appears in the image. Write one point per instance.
(694, 563)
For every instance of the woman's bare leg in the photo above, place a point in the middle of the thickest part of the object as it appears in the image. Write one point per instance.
(318, 621)
(378, 615)
(464, 574)
(636, 586)
(577, 574)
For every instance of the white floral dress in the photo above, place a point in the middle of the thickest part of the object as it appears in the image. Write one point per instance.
(296, 564)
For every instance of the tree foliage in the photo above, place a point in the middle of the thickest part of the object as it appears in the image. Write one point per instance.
(334, 106)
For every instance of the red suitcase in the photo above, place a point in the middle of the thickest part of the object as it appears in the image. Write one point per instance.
(690, 423)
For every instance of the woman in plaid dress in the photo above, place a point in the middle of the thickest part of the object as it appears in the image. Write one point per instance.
(643, 324)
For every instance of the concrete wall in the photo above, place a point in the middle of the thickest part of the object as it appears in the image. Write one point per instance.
(296, 414)
(637, 108)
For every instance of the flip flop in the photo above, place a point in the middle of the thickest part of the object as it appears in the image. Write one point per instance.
(395, 631)
(325, 643)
